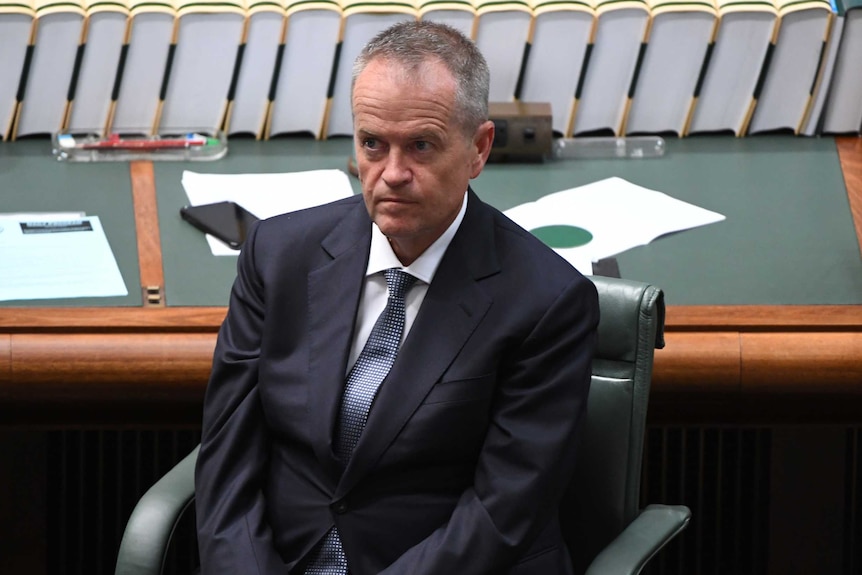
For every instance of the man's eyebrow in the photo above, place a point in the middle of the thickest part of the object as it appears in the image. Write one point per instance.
(431, 135)
(424, 135)
(366, 134)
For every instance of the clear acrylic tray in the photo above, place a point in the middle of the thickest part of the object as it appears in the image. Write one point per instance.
(189, 146)
(610, 147)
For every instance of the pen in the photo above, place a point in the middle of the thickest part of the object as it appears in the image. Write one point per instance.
(115, 142)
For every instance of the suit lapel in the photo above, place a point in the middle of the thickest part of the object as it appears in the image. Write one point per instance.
(454, 305)
(331, 315)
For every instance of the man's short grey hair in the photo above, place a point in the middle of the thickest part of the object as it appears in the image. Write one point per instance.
(414, 43)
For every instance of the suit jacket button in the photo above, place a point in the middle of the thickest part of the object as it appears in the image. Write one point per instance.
(340, 507)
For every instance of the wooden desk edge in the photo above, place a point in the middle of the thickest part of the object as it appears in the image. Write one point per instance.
(679, 318)
(164, 353)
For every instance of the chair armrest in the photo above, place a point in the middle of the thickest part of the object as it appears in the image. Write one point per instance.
(644, 537)
(148, 532)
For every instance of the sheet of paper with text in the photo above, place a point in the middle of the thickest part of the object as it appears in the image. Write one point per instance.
(48, 256)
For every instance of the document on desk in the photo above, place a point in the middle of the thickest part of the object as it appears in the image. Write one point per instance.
(599, 220)
(47, 256)
(265, 195)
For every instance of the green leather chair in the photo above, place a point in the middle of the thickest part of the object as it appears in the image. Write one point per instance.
(607, 532)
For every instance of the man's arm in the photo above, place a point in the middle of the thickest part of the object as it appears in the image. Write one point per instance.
(527, 457)
(233, 536)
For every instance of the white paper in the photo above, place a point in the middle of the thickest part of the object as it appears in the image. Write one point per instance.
(36, 216)
(265, 195)
(619, 214)
(58, 258)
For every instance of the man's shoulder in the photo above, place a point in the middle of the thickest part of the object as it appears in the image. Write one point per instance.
(297, 234)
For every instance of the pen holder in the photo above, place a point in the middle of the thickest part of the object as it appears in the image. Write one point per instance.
(191, 146)
(608, 147)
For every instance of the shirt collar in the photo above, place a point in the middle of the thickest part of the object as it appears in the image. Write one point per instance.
(381, 256)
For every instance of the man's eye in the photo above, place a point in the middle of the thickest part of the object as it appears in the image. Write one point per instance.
(369, 143)
(422, 146)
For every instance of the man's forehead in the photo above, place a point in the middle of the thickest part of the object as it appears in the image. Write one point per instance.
(410, 71)
(408, 125)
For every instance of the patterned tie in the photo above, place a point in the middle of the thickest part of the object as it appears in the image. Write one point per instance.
(364, 378)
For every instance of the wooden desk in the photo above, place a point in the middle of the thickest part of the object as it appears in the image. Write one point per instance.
(63, 366)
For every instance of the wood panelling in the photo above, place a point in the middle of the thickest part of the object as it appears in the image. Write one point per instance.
(698, 362)
(5, 358)
(820, 363)
(850, 156)
(164, 366)
(91, 366)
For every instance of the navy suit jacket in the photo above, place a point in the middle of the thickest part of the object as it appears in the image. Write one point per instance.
(470, 442)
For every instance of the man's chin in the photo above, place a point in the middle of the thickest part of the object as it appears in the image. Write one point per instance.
(392, 232)
(392, 225)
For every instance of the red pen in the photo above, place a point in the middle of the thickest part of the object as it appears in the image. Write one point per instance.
(115, 142)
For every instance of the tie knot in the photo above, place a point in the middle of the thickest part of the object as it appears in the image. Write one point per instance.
(398, 281)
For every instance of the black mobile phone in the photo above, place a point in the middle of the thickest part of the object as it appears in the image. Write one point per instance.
(228, 221)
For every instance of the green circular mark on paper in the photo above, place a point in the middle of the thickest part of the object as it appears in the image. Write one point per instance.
(563, 236)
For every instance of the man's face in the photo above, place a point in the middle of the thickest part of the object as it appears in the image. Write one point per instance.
(414, 160)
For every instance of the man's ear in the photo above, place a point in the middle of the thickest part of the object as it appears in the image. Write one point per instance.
(483, 138)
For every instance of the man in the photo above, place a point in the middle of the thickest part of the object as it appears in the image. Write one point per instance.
(463, 450)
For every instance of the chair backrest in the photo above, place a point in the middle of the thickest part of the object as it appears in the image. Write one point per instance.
(604, 495)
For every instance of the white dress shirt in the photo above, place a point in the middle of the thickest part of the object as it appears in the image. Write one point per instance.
(375, 293)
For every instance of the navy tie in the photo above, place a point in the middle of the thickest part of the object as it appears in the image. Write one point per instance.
(361, 386)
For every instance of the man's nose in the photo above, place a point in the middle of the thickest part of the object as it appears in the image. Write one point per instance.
(397, 171)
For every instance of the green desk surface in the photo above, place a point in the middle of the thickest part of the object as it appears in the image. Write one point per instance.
(193, 276)
(788, 238)
(31, 180)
